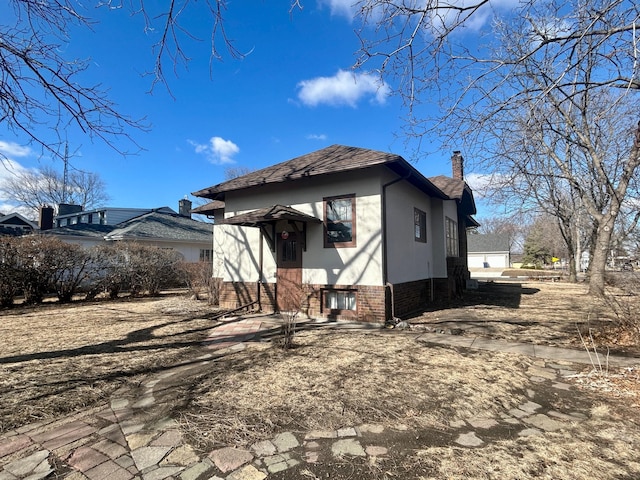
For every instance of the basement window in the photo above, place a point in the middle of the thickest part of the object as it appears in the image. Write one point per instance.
(339, 301)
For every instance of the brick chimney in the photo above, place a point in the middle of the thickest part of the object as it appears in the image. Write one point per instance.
(46, 217)
(457, 165)
(184, 208)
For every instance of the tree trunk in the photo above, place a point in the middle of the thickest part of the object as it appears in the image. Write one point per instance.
(600, 249)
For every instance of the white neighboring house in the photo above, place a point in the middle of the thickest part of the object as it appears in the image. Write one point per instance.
(488, 251)
(161, 227)
(362, 233)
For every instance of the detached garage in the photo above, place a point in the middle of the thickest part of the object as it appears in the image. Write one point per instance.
(488, 250)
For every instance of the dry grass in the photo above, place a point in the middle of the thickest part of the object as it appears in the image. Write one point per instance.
(335, 379)
(544, 313)
(59, 358)
(56, 359)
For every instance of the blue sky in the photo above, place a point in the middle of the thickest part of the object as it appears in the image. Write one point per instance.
(294, 92)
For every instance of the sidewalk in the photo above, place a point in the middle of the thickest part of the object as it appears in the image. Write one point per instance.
(134, 437)
(531, 350)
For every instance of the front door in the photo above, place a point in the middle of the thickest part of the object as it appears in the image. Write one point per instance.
(289, 272)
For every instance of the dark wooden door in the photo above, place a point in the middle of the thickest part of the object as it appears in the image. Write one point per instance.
(289, 272)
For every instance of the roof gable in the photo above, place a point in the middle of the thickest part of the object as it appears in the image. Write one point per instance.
(15, 219)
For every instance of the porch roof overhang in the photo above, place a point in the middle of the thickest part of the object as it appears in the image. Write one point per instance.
(270, 215)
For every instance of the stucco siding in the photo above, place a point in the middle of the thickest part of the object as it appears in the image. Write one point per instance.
(236, 253)
(408, 259)
(438, 249)
(360, 265)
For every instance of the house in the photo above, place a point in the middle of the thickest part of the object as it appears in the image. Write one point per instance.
(359, 234)
(15, 224)
(74, 214)
(161, 227)
(488, 251)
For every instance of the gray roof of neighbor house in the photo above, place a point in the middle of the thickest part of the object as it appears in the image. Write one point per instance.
(82, 230)
(333, 159)
(155, 225)
(159, 225)
(488, 242)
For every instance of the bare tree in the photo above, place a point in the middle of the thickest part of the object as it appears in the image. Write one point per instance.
(32, 189)
(39, 86)
(549, 103)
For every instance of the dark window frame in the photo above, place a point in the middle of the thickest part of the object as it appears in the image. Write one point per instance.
(419, 225)
(327, 223)
(453, 242)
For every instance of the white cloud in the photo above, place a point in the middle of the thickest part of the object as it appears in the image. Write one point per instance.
(218, 151)
(315, 136)
(480, 182)
(344, 8)
(11, 149)
(443, 14)
(10, 168)
(344, 88)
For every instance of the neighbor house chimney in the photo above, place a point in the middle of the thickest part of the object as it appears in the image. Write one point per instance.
(457, 165)
(46, 217)
(184, 208)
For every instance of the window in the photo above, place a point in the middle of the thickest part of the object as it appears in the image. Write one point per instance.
(340, 221)
(420, 225)
(452, 237)
(338, 301)
(205, 255)
(289, 251)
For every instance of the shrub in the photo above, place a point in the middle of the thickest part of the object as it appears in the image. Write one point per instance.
(70, 265)
(36, 263)
(151, 268)
(9, 271)
(197, 277)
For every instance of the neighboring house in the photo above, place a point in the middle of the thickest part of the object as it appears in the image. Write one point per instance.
(362, 232)
(15, 224)
(488, 251)
(162, 227)
(74, 214)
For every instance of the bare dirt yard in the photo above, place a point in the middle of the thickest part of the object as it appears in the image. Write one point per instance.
(56, 359)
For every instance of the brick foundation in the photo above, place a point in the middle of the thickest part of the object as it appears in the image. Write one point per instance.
(410, 297)
(373, 301)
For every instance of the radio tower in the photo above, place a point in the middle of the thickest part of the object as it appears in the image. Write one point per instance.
(65, 175)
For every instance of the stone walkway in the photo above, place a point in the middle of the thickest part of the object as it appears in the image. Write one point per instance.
(134, 437)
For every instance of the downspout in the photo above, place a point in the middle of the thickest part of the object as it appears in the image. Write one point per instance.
(385, 268)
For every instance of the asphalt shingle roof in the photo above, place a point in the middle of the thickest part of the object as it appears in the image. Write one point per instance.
(155, 225)
(488, 242)
(164, 226)
(333, 159)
